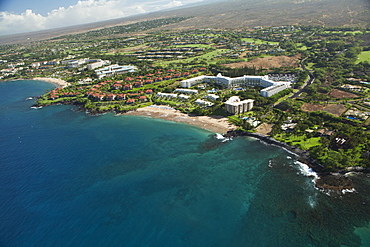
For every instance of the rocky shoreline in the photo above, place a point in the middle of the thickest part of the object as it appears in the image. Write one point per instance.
(329, 182)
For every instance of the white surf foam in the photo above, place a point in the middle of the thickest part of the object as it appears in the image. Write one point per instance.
(312, 201)
(219, 136)
(348, 191)
(222, 138)
(305, 170)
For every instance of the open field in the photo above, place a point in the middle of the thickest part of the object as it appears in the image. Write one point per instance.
(268, 62)
(335, 109)
(302, 141)
(364, 56)
(343, 32)
(259, 41)
(129, 50)
(264, 128)
(310, 66)
(301, 46)
(209, 56)
(339, 94)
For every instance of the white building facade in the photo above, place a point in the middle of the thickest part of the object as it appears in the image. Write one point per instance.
(187, 91)
(114, 69)
(167, 95)
(270, 87)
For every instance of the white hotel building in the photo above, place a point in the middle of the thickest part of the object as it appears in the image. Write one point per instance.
(114, 69)
(270, 87)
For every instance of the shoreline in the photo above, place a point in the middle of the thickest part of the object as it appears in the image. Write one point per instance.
(55, 81)
(217, 124)
(328, 182)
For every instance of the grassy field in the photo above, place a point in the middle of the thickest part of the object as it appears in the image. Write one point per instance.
(364, 56)
(259, 41)
(343, 32)
(190, 45)
(304, 143)
(207, 56)
(310, 66)
(301, 47)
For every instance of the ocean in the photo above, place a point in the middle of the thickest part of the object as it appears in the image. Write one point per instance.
(71, 179)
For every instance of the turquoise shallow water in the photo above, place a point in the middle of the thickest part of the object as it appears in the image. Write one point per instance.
(69, 179)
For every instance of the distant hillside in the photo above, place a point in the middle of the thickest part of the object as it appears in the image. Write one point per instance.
(250, 13)
(235, 14)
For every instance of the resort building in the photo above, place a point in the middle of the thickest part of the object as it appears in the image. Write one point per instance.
(271, 90)
(97, 64)
(184, 97)
(193, 81)
(235, 106)
(74, 63)
(188, 91)
(167, 95)
(203, 102)
(271, 87)
(114, 69)
(212, 97)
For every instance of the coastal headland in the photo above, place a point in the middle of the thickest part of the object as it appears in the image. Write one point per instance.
(328, 182)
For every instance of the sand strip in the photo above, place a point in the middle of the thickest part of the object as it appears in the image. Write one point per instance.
(58, 82)
(217, 124)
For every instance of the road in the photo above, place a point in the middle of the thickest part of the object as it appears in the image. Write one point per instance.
(308, 82)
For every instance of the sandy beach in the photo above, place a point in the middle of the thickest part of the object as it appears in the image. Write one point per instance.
(58, 82)
(217, 124)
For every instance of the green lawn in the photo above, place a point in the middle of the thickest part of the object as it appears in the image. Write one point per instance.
(299, 140)
(207, 56)
(310, 66)
(189, 45)
(343, 32)
(259, 41)
(301, 47)
(286, 96)
(364, 56)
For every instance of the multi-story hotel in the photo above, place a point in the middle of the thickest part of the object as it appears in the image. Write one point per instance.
(114, 69)
(235, 106)
(270, 87)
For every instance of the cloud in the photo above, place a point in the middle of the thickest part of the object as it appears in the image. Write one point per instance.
(85, 11)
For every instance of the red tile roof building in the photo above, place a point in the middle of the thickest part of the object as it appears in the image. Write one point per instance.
(127, 87)
(130, 101)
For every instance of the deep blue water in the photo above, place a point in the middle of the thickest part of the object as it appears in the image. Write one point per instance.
(70, 179)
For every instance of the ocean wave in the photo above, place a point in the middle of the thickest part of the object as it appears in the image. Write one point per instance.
(344, 191)
(305, 170)
(312, 201)
(222, 138)
(330, 192)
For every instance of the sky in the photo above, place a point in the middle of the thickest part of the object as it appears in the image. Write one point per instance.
(19, 16)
